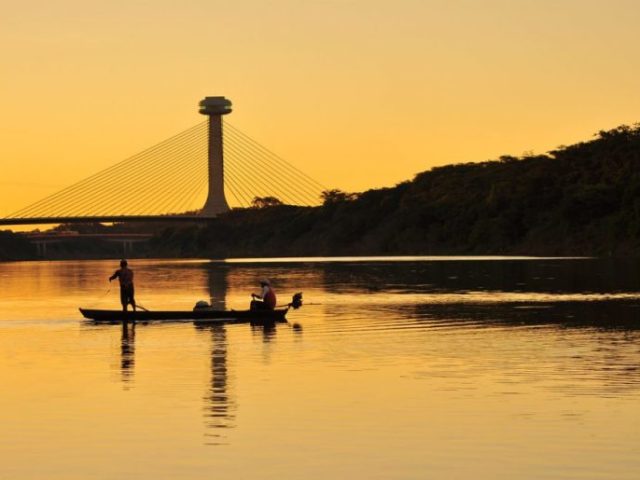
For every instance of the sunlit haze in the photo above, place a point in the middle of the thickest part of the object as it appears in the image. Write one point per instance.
(358, 94)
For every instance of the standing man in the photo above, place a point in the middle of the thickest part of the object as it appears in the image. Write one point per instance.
(125, 275)
(266, 299)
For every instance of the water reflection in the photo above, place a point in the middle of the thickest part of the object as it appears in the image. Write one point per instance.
(574, 349)
(617, 315)
(218, 284)
(219, 404)
(548, 276)
(127, 351)
(265, 330)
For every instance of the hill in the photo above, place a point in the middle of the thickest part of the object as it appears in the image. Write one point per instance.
(582, 199)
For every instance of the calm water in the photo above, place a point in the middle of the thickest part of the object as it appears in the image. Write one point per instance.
(393, 369)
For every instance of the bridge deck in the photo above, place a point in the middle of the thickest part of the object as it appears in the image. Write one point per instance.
(103, 219)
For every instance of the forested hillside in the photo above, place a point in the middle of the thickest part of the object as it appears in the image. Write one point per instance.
(583, 199)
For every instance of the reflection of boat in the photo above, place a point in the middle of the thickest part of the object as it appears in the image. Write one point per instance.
(199, 315)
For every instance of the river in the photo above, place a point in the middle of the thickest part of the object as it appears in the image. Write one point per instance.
(395, 368)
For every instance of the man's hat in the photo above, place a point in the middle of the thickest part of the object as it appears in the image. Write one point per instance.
(123, 263)
(265, 281)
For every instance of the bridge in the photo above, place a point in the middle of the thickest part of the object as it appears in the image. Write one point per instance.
(127, 240)
(193, 176)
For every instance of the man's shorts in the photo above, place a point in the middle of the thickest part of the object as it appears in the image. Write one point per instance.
(126, 296)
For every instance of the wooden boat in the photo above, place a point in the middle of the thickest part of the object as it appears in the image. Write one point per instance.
(202, 315)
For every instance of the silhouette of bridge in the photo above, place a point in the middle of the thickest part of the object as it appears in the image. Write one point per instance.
(42, 239)
(193, 176)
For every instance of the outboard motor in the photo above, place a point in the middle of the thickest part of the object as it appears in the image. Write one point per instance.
(296, 301)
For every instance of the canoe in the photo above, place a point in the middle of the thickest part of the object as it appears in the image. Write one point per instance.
(200, 315)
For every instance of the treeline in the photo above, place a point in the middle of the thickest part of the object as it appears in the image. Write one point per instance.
(582, 199)
(14, 246)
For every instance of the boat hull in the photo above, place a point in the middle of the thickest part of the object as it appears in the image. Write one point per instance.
(200, 316)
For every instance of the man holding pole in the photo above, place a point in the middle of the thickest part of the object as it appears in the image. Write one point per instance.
(125, 276)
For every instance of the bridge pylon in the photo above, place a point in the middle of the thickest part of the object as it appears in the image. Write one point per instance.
(214, 108)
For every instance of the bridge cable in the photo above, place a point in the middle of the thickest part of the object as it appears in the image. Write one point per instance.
(94, 183)
(180, 183)
(313, 183)
(260, 158)
(240, 186)
(237, 185)
(196, 191)
(149, 183)
(182, 163)
(142, 157)
(237, 195)
(264, 169)
(258, 187)
(246, 178)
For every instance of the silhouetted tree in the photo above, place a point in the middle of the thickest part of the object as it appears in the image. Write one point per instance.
(264, 202)
(336, 196)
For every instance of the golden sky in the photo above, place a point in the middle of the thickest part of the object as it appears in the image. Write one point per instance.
(358, 94)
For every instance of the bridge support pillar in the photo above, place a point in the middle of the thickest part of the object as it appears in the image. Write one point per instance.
(41, 248)
(214, 108)
(127, 246)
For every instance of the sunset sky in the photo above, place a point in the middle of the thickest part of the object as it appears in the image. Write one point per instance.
(358, 94)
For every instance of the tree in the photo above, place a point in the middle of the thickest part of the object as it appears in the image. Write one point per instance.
(265, 202)
(330, 197)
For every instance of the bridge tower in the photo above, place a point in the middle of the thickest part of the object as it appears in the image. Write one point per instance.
(214, 108)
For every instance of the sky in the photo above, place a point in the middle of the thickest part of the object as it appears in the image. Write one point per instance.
(357, 94)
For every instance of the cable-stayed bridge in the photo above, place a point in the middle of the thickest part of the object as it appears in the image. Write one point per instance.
(192, 176)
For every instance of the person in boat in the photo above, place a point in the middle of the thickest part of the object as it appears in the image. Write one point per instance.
(266, 299)
(125, 275)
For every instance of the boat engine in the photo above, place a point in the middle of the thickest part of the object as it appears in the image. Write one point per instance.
(296, 301)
